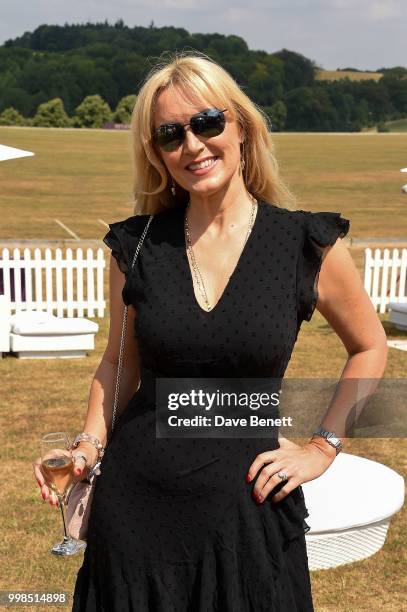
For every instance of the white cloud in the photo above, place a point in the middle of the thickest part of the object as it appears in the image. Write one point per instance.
(386, 10)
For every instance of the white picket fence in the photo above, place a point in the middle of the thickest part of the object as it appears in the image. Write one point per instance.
(69, 284)
(72, 284)
(385, 276)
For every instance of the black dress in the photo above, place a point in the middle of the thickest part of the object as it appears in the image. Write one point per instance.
(173, 525)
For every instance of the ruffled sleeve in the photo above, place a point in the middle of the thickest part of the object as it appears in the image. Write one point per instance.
(321, 230)
(123, 238)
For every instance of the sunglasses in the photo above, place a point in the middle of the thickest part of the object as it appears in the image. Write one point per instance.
(207, 123)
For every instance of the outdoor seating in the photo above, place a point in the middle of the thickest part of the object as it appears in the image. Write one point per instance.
(350, 508)
(40, 334)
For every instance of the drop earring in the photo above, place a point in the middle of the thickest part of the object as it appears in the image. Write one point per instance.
(173, 187)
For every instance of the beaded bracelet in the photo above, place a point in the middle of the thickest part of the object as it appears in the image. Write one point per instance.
(89, 438)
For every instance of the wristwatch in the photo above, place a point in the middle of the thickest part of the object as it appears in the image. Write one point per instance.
(330, 437)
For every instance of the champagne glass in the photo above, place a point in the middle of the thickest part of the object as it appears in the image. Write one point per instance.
(58, 469)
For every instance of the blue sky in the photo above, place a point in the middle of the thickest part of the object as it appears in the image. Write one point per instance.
(364, 34)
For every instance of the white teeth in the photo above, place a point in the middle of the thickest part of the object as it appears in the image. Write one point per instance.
(204, 164)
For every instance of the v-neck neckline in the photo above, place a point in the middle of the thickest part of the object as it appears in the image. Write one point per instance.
(232, 278)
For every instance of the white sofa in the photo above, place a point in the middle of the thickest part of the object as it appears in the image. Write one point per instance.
(32, 334)
(350, 507)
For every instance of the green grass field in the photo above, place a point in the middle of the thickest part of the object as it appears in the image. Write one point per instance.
(80, 176)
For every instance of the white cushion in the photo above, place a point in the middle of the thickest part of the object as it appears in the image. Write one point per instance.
(21, 344)
(353, 491)
(45, 324)
(32, 316)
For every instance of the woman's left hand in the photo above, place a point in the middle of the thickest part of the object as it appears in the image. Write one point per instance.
(299, 463)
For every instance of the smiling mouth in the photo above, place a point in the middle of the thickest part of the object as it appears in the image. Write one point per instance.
(202, 165)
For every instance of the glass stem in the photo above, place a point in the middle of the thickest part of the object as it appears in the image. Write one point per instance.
(62, 506)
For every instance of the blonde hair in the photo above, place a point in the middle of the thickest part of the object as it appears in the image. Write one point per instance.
(199, 76)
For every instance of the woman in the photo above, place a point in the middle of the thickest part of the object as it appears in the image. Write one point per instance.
(226, 274)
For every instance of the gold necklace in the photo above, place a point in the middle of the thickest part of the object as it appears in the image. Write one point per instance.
(195, 267)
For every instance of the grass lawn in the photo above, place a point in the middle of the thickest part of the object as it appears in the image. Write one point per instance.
(80, 176)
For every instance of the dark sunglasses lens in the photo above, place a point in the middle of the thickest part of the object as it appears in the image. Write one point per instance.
(170, 136)
(209, 123)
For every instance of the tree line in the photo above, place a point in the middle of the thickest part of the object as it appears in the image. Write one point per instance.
(88, 75)
(92, 112)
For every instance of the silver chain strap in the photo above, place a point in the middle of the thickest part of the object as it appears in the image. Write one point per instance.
(123, 334)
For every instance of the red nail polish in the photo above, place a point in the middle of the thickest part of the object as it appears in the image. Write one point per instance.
(248, 478)
(43, 494)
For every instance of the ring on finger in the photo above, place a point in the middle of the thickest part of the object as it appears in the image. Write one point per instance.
(80, 456)
(282, 475)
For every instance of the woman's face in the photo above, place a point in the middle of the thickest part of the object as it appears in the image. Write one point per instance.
(172, 106)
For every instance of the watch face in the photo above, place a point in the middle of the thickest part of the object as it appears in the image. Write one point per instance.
(335, 442)
(329, 437)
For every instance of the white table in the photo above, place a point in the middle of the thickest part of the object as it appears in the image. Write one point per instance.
(350, 507)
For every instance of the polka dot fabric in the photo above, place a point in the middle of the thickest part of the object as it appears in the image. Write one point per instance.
(321, 230)
(173, 526)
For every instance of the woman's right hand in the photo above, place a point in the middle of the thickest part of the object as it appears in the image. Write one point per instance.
(80, 470)
(46, 492)
(82, 467)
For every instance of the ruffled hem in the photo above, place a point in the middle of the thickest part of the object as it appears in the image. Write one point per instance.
(219, 580)
(292, 513)
(247, 564)
(321, 230)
